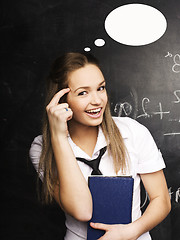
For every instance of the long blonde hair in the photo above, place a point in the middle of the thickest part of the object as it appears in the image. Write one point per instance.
(57, 80)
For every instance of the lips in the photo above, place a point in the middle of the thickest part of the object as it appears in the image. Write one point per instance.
(94, 112)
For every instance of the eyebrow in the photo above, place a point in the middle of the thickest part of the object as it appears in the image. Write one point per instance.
(87, 87)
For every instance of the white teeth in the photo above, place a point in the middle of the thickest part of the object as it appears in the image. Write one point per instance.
(94, 110)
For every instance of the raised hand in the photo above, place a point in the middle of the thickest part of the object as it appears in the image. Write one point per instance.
(59, 114)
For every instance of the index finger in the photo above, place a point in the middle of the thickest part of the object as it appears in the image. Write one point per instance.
(100, 226)
(57, 96)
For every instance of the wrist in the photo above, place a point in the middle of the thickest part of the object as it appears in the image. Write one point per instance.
(135, 229)
(58, 139)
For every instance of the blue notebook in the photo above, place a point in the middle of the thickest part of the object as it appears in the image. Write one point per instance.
(112, 201)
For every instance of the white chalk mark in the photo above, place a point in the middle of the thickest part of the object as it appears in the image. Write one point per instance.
(176, 66)
(176, 95)
(170, 192)
(177, 195)
(145, 114)
(174, 120)
(161, 111)
(123, 107)
(171, 134)
(135, 24)
(99, 42)
(169, 55)
(87, 49)
(145, 201)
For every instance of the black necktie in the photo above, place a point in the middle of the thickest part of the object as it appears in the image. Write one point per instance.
(94, 164)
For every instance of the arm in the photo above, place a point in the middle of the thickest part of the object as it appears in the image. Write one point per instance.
(159, 206)
(157, 210)
(72, 193)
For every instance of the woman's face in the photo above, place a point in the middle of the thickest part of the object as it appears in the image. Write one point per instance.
(88, 97)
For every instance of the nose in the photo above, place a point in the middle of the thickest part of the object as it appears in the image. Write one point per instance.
(95, 99)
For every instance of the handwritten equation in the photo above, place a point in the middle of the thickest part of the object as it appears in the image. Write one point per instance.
(176, 194)
(176, 61)
(126, 108)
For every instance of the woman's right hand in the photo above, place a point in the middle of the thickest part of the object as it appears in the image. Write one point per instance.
(59, 114)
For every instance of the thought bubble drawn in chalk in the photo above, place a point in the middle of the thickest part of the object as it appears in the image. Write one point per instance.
(135, 24)
(99, 42)
(87, 49)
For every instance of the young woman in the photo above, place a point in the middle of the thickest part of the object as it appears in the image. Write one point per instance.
(78, 123)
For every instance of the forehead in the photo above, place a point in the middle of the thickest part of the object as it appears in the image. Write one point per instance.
(86, 75)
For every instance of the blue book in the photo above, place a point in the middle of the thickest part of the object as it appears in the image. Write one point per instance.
(112, 202)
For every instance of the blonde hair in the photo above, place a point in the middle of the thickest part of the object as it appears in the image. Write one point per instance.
(57, 80)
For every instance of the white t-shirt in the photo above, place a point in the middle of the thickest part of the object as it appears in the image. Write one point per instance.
(144, 157)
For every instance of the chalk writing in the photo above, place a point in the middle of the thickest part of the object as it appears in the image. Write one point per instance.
(176, 62)
(177, 195)
(145, 200)
(169, 55)
(161, 111)
(170, 192)
(171, 134)
(123, 107)
(144, 102)
(176, 66)
(145, 114)
(176, 95)
(126, 108)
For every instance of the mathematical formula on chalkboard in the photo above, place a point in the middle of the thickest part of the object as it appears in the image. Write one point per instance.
(176, 61)
(126, 108)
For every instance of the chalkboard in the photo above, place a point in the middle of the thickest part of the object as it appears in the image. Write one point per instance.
(143, 83)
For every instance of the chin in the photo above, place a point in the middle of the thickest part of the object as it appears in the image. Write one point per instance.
(95, 122)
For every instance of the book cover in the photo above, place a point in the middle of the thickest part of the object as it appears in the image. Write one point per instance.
(112, 201)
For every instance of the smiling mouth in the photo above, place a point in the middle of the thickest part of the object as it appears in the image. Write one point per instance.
(94, 112)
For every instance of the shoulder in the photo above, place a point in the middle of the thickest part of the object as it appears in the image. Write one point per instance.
(36, 147)
(37, 140)
(130, 127)
(35, 154)
(127, 121)
(139, 140)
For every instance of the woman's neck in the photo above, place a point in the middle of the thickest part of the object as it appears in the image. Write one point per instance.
(84, 137)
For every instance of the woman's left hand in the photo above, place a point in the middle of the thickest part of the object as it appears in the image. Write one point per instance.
(116, 231)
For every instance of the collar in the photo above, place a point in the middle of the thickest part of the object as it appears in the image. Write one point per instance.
(101, 141)
(78, 152)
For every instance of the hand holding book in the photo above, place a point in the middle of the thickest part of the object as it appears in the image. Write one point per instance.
(116, 231)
